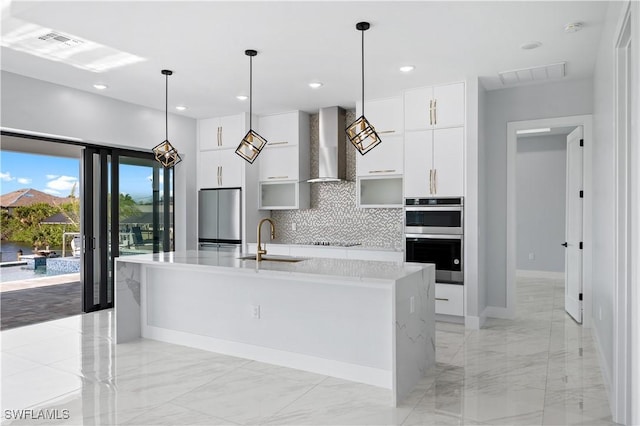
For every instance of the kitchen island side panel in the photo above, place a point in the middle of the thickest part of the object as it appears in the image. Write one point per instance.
(415, 346)
(128, 279)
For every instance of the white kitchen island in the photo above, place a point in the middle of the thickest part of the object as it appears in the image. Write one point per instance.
(367, 321)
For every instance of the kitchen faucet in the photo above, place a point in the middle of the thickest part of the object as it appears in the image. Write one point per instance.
(260, 251)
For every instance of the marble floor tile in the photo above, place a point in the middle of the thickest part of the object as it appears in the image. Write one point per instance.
(244, 396)
(338, 402)
(568, 409)
(175, 415)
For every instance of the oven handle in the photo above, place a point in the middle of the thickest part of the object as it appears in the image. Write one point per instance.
(433, 208)
(434, 236)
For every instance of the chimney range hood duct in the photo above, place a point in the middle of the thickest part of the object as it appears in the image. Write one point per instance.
(332, 147)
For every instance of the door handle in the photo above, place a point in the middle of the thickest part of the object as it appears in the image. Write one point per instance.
(431, 112)
(435, 113)
(565, 244)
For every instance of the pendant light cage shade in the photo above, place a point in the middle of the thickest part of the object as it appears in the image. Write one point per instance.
(165, 153)
(361, 133)
(251, 145)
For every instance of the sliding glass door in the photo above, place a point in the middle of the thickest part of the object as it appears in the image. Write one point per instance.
(127, 209)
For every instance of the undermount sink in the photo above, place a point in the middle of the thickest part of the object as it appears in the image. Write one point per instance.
(273, 258)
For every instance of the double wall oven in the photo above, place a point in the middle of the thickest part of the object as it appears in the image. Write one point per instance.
(434, 234)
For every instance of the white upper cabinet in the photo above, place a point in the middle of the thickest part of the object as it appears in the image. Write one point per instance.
(434, 107)
(385, 159)
(279, 164)
(385, 115)
(280, 129)
(220, 132)
(448, 162)
(220, 168)
(434, 163)
(418, 164)
(284, 162)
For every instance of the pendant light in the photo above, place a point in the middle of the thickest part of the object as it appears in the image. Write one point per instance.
(252, 143)
(361, 133)
(165, 153)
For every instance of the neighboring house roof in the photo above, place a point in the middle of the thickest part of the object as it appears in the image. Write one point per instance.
(62, 219)
(28, 197)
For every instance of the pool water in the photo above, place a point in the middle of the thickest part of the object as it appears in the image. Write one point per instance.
(16, 273)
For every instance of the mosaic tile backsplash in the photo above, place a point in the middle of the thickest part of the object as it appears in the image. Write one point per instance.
(334, 216)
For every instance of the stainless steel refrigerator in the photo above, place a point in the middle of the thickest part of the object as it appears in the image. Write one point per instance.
(219, 217)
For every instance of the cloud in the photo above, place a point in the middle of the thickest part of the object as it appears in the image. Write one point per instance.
(52, 191)
(62, 183)
(24, 181)
(6, 177)
(52, 176)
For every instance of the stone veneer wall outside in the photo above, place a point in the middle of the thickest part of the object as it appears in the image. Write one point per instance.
(334, 216)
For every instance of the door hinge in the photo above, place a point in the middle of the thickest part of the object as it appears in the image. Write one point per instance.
(581, 142)
(581, 194)
(580, 245)
(580, 296)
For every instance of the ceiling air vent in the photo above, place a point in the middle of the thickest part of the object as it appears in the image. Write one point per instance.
(534, 74)
(52, 37)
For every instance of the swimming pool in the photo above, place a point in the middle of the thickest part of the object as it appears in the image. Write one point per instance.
(16, 273)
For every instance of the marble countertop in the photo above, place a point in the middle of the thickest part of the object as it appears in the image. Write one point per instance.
(225, 259)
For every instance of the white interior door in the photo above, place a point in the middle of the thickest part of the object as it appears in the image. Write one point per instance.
(573, 233)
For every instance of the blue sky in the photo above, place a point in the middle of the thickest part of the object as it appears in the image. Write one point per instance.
(56, 175)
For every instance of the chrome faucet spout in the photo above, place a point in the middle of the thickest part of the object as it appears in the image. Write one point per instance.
(261, 251)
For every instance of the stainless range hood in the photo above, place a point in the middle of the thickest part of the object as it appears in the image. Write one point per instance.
(332, 149)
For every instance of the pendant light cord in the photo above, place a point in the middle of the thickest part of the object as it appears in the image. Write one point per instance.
(250, 91)
(166, 107)
(362, 31)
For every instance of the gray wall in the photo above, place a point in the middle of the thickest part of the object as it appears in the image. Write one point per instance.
(334, 215)
(603, 274)
(517, 104)
(35, 105)
(482, 201)
(540, 208)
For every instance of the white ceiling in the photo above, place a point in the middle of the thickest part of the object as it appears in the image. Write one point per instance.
(203, 42)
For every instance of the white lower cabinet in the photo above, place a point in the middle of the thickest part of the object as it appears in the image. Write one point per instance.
(450, 299)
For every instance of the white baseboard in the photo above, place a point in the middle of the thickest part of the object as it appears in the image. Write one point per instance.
(498, 312)
(475, 323)
(450, 318)
(606, 374)
(525, 273)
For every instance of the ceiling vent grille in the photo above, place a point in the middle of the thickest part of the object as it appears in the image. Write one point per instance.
(52, 37)
(534, 74)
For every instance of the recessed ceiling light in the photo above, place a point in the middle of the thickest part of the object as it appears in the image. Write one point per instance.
(530, 131)
(530, 45)
(315, 85)
(407, 68)
(100, 86)
(181, 107)
(242, 97)
(573, 27)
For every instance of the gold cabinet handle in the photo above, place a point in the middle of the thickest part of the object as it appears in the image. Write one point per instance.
(381, 132)
(382, 171)
(277, 177)
(430, 181)
(430, 112)
(218, 176)
(219, 135)
(435, 181)
(221, 179)
(435, 112)
(278, 143)
(442, 299)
